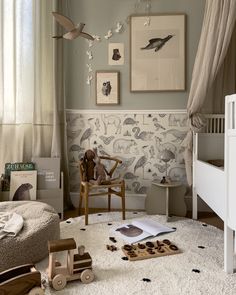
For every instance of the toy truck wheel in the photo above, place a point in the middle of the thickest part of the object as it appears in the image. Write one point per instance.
(87, 276)
(59, 282)
(36, 291)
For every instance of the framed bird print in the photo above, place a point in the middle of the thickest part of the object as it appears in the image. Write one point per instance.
(107, 87)
(157, 53)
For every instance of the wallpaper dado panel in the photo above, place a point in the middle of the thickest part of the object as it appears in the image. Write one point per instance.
(136, 138)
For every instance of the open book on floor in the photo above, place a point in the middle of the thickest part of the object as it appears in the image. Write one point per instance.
(140, 229)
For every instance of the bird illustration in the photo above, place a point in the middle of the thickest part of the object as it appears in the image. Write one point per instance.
(138, 189)
(144, 135)
(102, 152)
(130, 121)
(87, 133)
(72, 134)
(157, 125)
(74, 31)
(130, 175)
(106, 140)
(161, 168)
(142, 161)
(126, 162)
(76, 148)
(157, 43)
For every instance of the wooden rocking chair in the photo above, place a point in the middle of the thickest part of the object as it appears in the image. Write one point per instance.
(116, 187)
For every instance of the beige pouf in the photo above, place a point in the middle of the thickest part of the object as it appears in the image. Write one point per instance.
(41, 223)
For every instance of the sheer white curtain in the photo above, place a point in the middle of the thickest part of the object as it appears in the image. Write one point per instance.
(31, 82)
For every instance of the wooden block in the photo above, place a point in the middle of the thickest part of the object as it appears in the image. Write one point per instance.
(150, 250)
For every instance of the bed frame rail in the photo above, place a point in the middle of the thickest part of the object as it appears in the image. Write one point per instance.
(215, 123)
(230, 172)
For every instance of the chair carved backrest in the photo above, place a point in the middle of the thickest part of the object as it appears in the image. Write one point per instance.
(89, 171)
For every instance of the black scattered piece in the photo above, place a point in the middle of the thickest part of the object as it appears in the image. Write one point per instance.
(135, 212)
(111, 248)
(201, 247)
(196, 270)
(146, 280)
(95, 142)
(99, 214)
(112, 239)
(174, 228)
(149, 115)
(124, 258)
(83, 229)
(68, 221)
(204, 224)
(109, 224)
(149, 170)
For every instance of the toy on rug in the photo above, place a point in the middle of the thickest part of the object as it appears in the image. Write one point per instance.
(150, 250)
(78, 267)
(111, 248)
(23, 279)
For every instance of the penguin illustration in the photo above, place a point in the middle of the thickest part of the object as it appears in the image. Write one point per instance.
(157, 43)
(106, 88)
(116, 54)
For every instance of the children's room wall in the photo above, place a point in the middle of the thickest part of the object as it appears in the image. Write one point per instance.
(103, 15)
(143, 124)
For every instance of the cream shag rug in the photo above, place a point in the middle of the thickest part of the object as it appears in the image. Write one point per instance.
(168, 275)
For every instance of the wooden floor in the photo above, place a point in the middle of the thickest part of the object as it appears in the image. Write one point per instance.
(206, 217)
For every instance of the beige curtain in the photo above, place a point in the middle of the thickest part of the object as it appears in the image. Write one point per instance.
(32, 120)
(217, 29)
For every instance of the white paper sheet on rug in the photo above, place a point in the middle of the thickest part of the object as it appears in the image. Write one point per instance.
(140, 229)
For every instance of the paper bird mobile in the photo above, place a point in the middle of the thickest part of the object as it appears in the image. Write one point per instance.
(89, 53)
(147, 22)
(89, 66)
(119, 27)
(108, 35)
(97, 38)
(89, 78)
(74, 31)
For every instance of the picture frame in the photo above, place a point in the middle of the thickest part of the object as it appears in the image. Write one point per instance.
(157, 52)
(107, 87)
(116, 54)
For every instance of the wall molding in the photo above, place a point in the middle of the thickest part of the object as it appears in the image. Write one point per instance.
(93, 111)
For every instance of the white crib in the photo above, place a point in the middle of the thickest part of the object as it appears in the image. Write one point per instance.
(215, 185)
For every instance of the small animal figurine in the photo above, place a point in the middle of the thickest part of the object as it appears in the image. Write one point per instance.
(88, 165)
(100, 172)
(74, 31)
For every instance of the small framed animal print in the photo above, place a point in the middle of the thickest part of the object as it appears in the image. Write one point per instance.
(107, 87)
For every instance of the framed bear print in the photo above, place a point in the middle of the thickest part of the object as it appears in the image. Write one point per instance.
(157, 53)
(107, 87)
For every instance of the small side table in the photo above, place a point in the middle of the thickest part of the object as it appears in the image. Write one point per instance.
(167, 185)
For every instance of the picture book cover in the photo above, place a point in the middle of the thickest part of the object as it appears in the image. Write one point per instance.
(141, 229)
(23, 185)
(48, 170)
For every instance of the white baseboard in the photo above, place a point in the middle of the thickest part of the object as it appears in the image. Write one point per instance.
(132, 202)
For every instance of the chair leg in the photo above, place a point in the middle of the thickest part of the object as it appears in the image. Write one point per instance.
(109, 199)
(80, 200)
(86, 194)
(123, 199)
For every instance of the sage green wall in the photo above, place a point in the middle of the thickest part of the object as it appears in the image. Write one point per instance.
(101, 15)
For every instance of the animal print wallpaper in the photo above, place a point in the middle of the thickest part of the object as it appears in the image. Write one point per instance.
(136, 138)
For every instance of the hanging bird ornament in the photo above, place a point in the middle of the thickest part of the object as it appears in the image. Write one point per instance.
(74, 31)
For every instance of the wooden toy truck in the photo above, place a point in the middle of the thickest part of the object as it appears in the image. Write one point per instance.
(78, 266)
(23, 279)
